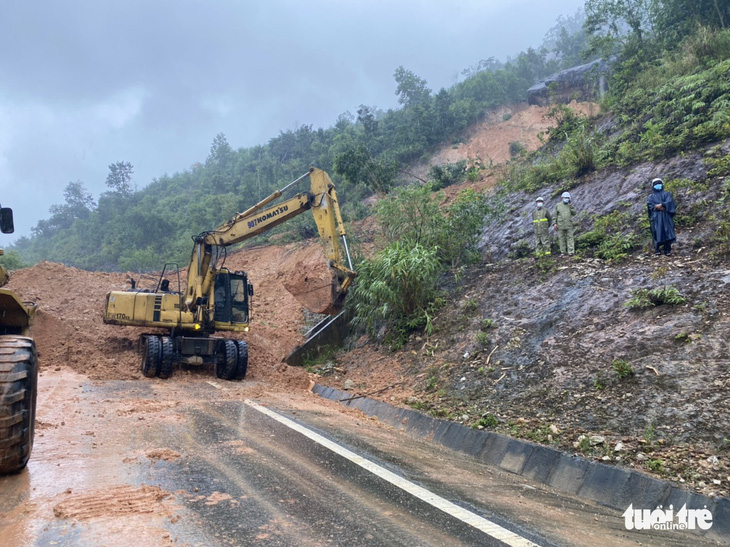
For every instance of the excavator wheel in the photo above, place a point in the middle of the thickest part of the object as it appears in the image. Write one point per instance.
(166, 355)
(151, 356)
(242, 361)
(18, 389)
(225, 367)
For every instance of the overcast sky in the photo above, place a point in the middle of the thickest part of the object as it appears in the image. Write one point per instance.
(86, 83)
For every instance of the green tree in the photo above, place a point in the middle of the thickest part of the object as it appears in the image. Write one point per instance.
(613, 24)
(411, 89)
(119, 178)
(221, 152)
(411, 214)
(78, 205)
(567, 39)
(366, 116)
(12, 260)
(356, 164)
(676, 19)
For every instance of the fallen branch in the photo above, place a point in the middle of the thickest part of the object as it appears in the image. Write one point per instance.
(490, 355)
(653, 370)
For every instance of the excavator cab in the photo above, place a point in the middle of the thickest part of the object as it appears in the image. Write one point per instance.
(231, 297)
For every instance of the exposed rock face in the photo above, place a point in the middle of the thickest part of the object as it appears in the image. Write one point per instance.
(560, 331)
(582, 83)
(598, 194)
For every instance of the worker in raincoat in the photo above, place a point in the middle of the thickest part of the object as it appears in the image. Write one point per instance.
(541, 220)
(661, 209)
(565, 224)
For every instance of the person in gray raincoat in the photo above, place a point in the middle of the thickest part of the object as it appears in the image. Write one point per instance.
(661, 210)
(541, 219)
(565, 224)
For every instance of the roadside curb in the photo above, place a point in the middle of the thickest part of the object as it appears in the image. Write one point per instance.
(608, 485)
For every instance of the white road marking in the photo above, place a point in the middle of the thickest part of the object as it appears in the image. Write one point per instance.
(488, 527)
(217, 386)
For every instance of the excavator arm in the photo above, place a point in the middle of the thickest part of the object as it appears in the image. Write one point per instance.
(321, 199)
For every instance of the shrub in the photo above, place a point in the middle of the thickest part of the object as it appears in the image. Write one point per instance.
(397, 286)
(608, 239)
(488, 421)
(482, 338)
(579, 155)
(647, 298)
(623, 369)
(414, 214)
(520, 249)
(486, 324)
(462, 226)
(445, 175)
(516, 148)
(721, 239)
(670, 115)
(470, 306)
(719, 166)
(656, 465)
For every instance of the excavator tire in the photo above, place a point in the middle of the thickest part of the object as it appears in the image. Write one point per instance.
(18, 390)
(242, 361)
(166, 355)
(151, 356)
(225, 367)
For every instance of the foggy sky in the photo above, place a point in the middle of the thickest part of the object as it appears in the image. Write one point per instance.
(86, 83)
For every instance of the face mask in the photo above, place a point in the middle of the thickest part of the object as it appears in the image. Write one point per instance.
(566, 200)
(658, 187)
(539, 205)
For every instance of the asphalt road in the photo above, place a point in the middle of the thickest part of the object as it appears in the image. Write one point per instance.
(198, 462)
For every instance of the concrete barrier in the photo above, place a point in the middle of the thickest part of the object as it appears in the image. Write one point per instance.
(607, 485)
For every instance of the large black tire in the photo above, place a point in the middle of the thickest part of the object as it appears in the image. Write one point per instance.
(242, 364)
(18, 391)
(225, 366)
(150, 356)
(166, 355)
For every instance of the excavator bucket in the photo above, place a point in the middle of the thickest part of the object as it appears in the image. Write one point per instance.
(319, 292)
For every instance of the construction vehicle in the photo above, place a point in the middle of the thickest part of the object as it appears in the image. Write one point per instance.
(18, 371)
(218, 300)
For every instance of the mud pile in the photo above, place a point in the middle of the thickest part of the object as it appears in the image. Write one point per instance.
(69, 330)
(489, 141)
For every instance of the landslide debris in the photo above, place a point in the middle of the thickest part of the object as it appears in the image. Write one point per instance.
(69, 330)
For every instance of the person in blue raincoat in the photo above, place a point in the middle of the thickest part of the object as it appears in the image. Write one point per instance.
(661, 209)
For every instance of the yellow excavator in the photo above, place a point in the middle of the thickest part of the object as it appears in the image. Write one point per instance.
(216, 299)
(18, 371)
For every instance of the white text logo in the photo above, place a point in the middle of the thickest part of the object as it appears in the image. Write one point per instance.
(666, 519)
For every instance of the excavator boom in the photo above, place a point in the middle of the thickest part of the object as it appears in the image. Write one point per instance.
(321, 200)
(216, 299)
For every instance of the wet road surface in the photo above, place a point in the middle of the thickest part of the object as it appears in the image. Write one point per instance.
(193, 463)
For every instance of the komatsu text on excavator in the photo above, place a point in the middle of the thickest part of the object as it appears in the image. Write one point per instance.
(217, 299)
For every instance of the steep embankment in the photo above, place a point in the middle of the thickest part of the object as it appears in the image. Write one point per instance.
(550, 352)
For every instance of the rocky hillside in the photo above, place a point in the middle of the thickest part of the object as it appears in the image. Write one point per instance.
(560, 350)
